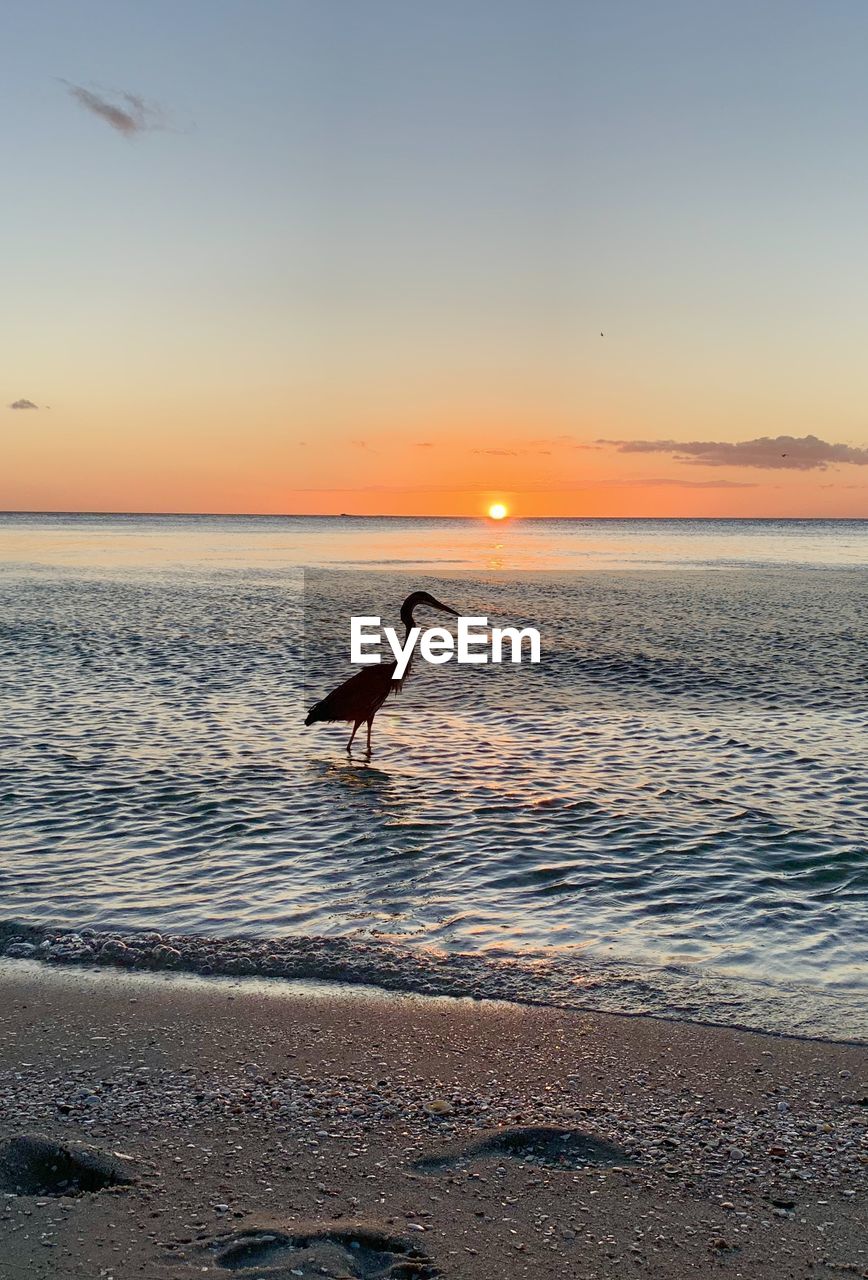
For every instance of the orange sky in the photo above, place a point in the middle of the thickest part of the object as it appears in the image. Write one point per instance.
(168, 456)
(432, 478)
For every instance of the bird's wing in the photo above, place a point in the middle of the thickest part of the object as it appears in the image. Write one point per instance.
(357, 696)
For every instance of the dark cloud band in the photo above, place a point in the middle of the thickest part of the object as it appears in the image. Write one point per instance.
(773, 453)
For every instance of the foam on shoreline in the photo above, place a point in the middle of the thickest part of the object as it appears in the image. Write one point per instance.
(683, 993)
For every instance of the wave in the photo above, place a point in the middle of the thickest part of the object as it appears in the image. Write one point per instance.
(579, 982)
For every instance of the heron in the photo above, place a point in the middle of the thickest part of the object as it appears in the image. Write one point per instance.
(359, 699)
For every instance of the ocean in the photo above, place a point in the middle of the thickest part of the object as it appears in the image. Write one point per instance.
(668, 815)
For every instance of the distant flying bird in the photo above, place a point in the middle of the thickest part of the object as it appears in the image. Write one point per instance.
(602, 335)
(359, 699)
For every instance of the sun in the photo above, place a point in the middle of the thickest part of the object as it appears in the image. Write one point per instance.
(497, 511)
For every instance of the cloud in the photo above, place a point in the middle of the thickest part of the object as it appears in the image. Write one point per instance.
(564, 442)
(543, 446)
(126, 112)
(513, 453)
(23, 404)
(778, 453)
(692, 484)
(438, 488)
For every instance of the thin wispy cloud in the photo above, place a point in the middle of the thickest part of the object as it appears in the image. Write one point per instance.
(664, 483)
(23, 404)
(563, 442)
(436, 488)
(126, 113)
(513, 453)
(771, 453)
(543, 446)
(535, 486)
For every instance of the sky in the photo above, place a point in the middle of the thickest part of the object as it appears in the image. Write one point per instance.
(384, 256)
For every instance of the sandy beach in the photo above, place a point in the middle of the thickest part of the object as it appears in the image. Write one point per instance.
(273, 1131)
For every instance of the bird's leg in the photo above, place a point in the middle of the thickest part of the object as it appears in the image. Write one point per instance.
(353, 734)
(370, 722)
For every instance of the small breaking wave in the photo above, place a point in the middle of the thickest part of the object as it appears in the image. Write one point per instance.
(682, 993)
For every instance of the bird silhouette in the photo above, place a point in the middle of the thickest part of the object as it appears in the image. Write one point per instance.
(358, 699)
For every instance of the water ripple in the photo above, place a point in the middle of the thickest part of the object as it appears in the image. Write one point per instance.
(681, 780)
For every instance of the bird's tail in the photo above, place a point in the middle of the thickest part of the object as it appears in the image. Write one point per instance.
(314, 714)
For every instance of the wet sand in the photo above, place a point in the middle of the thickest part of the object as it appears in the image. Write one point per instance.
(276, 1132)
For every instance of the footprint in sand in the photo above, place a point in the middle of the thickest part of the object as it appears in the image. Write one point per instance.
(31, 1164)
(316, 1252)
(545, 1144)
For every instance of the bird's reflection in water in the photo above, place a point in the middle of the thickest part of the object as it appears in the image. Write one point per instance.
(354, 776)
(378, 803)
(391, 834)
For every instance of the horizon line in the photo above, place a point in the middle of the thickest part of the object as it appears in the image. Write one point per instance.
(350, 515)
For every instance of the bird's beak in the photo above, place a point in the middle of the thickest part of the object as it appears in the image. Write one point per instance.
(447, 609)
